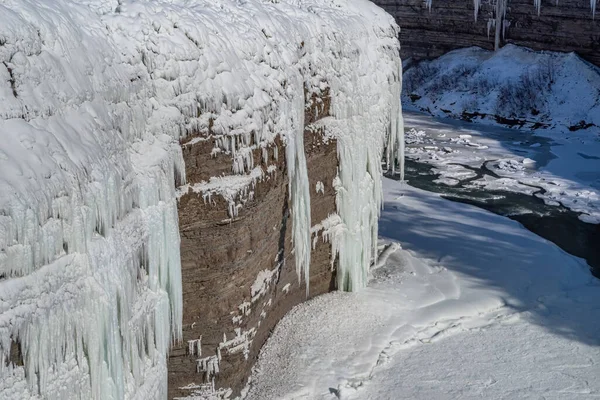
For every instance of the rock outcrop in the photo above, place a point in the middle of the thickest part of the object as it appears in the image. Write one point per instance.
(566, 26)
(239, 275)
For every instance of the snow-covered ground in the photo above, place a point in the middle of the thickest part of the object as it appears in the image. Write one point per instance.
(471, 306)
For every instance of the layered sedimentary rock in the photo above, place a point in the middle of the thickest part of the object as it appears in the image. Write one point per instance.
(243, 279)
(566, 26)
(178, 174)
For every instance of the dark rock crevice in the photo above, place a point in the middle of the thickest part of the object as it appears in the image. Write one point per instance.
(11, 80)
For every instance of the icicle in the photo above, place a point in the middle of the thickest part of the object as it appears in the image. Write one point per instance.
(500, 16)
(395, 136)
(400, 128)
(299, 190)
(538, 5)
(477, 5)
(490, 24)
(505, 26)
(593, 7)
(428, 4)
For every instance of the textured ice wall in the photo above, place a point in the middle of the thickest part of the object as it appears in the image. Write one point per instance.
(94, 98)
(90, 281)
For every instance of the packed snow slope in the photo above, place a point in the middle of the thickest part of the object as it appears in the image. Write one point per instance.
(95, 96)
(471, 305)
(514, 86)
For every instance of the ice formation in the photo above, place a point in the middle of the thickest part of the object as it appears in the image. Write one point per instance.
(476, 7)
(235, 189)
(320, 187)
(195, 347)
(240, 343)
(95, 98)
(90, 286)
(262, 283)
(536, 3)
(369, 104)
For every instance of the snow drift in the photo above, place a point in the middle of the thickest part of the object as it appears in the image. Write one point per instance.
(514, 86)
(95, 96)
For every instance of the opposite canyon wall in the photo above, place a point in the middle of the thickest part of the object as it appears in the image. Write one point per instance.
(450, 24)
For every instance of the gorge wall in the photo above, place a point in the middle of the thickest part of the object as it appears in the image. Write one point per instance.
(175, 175)
(565, 26)
(239, 274)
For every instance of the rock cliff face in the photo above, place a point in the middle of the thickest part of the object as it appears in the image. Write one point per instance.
(428, 33)
(239, 275)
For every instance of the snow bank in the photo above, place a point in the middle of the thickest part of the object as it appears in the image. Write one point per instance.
(471, 306)
(95, 96)
(514, 86)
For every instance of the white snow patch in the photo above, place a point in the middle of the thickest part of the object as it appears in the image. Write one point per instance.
(261, 284)
(234, 189)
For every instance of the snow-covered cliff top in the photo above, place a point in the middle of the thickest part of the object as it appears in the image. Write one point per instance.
(95, 96)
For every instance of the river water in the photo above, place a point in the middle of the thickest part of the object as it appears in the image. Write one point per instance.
(552, 222)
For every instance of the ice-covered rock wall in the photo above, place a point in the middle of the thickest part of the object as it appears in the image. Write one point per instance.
(90, 286)
(95, 98)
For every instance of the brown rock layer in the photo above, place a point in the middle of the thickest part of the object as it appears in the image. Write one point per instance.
(222, 258)
(567, 26)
